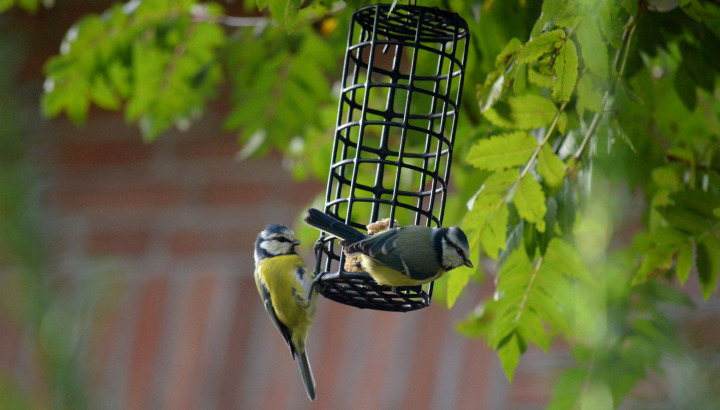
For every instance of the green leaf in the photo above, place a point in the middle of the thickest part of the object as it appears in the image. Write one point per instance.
(567, 390)
(103, 95)
(502, 60)
(597, 396)
(682, 154)
(509, 354)
(566, 72)
(284, 11)
(656, 262)
(646, 241)
(589, 94)
(683, 264)
(476, 323)
(119, 76)
(513, 241)
(669, 293)
(550, 222)
(708, 264)
(522, 112)
(78, 104)
(532, 328)
(693, 8)
(541, 80)
(666, 177)
(502, 151)
(281, 91)
(530, 296)
(611, 24)
(566, 207)
(685, 86)
(683, 219)
(531, 240)
(550, 167)
(594, 50)
(499, 181)
(696, 64)
(520, 80)
(487, 222)
(563, 258)
(158, 58)
(542, 44)
(457, 281)
(697, 201)
(512, 280)
(530, 202)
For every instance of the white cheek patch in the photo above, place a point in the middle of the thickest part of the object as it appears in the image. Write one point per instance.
(450, 256)
(276, 247)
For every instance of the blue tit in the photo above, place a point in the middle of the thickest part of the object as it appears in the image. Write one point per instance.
(405, 256)
(286, 287)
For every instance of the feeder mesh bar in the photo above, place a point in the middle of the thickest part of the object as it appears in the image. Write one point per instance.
(397, 118)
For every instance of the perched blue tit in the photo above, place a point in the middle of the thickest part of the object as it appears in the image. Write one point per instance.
(286, 287)
(405, 256)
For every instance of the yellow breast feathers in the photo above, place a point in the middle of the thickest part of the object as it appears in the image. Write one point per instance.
(283, 280)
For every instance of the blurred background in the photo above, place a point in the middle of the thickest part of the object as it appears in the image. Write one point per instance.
(126, 280)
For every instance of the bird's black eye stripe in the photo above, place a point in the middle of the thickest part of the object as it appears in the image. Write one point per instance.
(279, 239)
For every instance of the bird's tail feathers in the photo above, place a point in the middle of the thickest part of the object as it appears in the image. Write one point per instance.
(333, 226)
(306, 374)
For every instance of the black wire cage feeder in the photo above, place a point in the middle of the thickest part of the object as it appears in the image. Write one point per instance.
(397, 118)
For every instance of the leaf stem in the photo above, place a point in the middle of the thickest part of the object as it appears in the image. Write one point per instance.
(201, 14)
(511, 191)
(620, 62)
(544, 140)
(529, 286)
(588, 375)
(231, 21)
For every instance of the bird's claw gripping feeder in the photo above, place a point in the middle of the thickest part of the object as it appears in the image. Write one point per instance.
(397, 117)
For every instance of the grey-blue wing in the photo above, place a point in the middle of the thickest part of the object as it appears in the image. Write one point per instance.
(382, 248)
(284, 331)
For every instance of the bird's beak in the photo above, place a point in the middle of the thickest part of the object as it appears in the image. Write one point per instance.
(296, 242)
(468, 264)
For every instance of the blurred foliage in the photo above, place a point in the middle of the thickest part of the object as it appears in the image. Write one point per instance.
(26, 296)
(27, 5)
(579, 117)
(52, 316)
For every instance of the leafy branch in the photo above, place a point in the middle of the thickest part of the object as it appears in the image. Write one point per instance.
(620, 69)
(529, 187)
(157, 58)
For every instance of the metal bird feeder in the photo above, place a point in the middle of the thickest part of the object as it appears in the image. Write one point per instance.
(397, 117)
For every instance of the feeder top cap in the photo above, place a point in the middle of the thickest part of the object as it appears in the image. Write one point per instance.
(427, 24)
